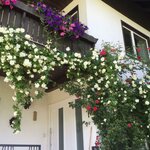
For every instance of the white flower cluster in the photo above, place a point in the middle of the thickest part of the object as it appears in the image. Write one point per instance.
(26, 65)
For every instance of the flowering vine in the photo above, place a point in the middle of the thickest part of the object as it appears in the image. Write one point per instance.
(106, 83)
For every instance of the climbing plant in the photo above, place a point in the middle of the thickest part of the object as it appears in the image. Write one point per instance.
(114, 89)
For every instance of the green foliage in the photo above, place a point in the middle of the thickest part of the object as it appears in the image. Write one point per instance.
(105, 82)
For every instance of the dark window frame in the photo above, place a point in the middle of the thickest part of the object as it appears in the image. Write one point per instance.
(75, 10)
(133, 32)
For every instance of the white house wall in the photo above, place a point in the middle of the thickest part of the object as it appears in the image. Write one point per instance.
(32, 132)
(104, 22)
(38, 132)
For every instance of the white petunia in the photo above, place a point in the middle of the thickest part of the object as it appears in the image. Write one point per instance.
(27, 36)
(43, 77)
(26, 43)
(134, 77)
(15, 113)
(8, 73)
(147, 103)
(19, 78)
(32, 75)
(6, 79)
(37, 85)
(68, 49)
(9, 57)
(12, 62)
(137, 100)
(105, 120)
(44, 86)
(27, 92)
(103, 70)
(17, 66)
(121, 55)
(27, 63)
(22, 54)
(131, 66)
(1, 39)
(148, 86)
(35, 50)
(102, 59)
(45, 68)
(78, 55)
(36, 92)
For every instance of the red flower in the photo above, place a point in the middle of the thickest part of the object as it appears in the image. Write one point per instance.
(129, 125)
(103, 52)
(138, 50)
(97, 143)
(95, 108)
(88, 107)
(97, 101)
(139, 58)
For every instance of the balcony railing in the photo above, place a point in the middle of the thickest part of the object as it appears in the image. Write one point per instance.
(25, 16)
(19, 147)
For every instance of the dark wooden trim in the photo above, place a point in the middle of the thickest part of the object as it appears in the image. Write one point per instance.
(79, 128)
(23, 7)
(75, 9)
(89, 38)
(61, 129)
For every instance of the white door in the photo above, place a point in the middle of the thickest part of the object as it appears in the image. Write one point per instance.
(62, 127)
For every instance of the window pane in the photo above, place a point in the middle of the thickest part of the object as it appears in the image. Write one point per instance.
(128, 41)
(141, 44)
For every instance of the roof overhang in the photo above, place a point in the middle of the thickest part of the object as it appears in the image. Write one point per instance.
(136, 10)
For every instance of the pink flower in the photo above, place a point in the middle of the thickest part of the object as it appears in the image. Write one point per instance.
(103, 52)
(62, 34)
(7, 2)
(32, 5)
(71, 28)
(73, 25)
(77, 36)
(88, 107)
(62, 28)
(11, 7)
(129, 125)
(44, 5)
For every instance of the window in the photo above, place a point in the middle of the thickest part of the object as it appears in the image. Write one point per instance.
(74, 13)
(136, 43)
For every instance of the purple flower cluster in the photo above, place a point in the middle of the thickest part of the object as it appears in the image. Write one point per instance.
(59, 23)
